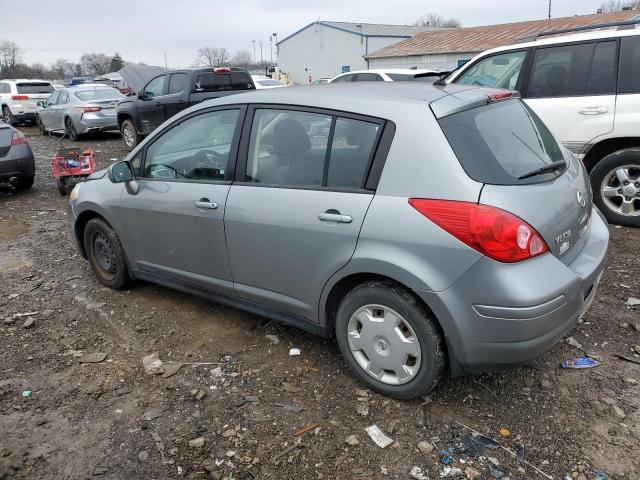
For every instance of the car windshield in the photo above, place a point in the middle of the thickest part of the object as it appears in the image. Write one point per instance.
(35, 87)
(98, 94)
(501, 142)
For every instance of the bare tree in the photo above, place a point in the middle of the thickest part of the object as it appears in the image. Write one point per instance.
(242, 58)
(212, 57)
(618, 5)
(61, 68)
(10, 53)
(435, 20)
(95, 63)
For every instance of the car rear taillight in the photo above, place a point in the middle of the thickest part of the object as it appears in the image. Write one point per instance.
(489, 230)
(18, 138)
(19, 97)
(496, 97)
(88, 109)
(221, 70)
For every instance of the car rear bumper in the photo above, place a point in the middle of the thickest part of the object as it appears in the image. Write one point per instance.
(91, 123)
(499, 315)
(18, 162)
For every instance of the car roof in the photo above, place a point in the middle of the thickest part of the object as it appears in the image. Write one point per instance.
(25, 80)
(366, 98)
(390, 70)
(567, 38)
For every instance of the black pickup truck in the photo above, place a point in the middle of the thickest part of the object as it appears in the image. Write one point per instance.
(173, 91)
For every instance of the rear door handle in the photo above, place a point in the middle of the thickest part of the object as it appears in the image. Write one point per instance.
(206, 204)
(593, 110)
(331, 216)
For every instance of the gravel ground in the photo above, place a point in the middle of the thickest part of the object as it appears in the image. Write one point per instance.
(235, 407)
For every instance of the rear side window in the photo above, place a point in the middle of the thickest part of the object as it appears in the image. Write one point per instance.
(629, 78)
(500, 142)
(602, 75)
(35, 87)
(368, 77)
(400, 77)
(352, 149)
(213, 82)
(345, 78)
(177, 83)
(560, 71)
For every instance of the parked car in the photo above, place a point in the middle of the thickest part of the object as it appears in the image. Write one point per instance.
(18, 99)
(322, 80)
(85, 108)
(466, 244)
(173, 91)
(262, 82)
(586, 87)
(381, 75)
(17, 165)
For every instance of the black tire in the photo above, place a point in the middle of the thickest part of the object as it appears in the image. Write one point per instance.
(7, 116)
(604, 171)
(433, 362)
(129, 134)
(105, 254)
(70, 128)
(25, 183)
(41, 126)
(62, 186)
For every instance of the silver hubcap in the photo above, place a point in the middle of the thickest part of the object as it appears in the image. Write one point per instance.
(384, 344)
(128, 136)
(620, 190)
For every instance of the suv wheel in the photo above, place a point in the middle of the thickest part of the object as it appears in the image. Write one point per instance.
(390, 341)
(129, 134)
(616, 186)
(7, 116)
(105, 254)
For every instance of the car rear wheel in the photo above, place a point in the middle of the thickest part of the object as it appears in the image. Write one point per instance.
(616, 187)
(390, 341)
(105, 254)
(129, 134)
(69, 126)
(40, 125)
(7, 116)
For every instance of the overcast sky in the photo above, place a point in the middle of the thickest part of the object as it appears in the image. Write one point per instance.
(144, 31)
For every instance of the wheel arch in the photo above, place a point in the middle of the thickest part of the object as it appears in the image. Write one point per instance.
(605, 147)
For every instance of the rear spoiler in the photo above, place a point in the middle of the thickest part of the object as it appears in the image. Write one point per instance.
(459, 101)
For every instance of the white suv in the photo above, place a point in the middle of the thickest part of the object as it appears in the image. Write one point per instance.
(381, 75)
(586, 88)
(19, 98)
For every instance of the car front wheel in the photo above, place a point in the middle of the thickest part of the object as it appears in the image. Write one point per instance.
(616, 187)
(105, 254)
(390, 341)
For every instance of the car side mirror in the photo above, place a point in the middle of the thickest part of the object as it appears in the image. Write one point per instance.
(41, 103)
(141, 95)
(122, 172)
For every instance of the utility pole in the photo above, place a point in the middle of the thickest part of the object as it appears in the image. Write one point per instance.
(254, 51)
(271, 48)
(261, 61)
(275, 40)
(165, 61)
(549, 17)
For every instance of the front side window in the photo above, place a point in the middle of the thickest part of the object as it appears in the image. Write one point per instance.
(497, 71)
(629, 79)
(155, 87)
(196, 149)
(345, 78)
(296, 149)
(53, 98)
(560, 71)
(63, 98)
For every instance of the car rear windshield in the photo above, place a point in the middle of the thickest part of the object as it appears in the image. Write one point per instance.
(212, 82)
(99, 94)
(500, 142)
(35, 87)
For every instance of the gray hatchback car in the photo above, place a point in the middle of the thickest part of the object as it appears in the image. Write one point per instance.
(430, 229)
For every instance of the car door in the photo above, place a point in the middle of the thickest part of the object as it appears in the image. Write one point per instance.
(58, 110)
(151, 109)
(173, 224)
(295, 210)
(572, 87)
(46, 112)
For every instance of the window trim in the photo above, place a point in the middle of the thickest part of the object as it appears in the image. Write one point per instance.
(233, 149)
(525, 83)
(618, 79)
(377, 157)
(521, 76)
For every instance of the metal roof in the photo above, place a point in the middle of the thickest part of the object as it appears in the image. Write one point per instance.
(478, 39)
(368, 29)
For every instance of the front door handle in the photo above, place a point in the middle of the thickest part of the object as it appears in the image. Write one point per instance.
(593, 110)
(334, 216)
(206, 204)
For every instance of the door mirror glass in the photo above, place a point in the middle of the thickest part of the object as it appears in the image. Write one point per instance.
(121, 172)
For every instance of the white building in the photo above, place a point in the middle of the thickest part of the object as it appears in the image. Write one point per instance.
(325, 49)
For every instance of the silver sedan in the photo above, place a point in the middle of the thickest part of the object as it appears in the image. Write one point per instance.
(87, 108)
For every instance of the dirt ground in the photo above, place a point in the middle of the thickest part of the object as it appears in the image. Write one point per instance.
(237, 415)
